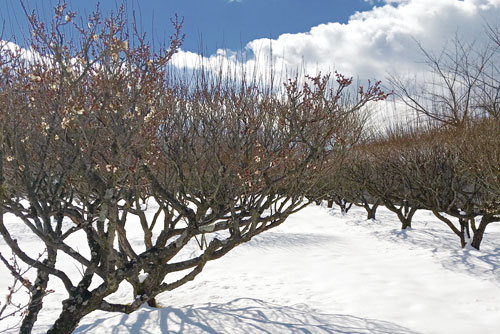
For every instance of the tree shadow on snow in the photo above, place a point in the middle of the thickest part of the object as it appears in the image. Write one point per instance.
(244, 315)
(277, 240)
(430, 234)
(446, 248)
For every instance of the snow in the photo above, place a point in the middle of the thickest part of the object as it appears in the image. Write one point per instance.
(323, 272)
(142, 276)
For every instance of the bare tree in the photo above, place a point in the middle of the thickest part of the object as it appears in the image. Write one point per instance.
(437, 177)
(480, 158)
(447, 172)
(99, 126)
(431, 170)
(461, 84)
(344, 187)
(349, 185)
(374, 167)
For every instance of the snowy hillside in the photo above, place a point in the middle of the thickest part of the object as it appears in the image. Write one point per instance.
(322, 272)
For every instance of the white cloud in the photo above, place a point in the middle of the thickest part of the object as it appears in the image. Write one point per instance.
(372, 43)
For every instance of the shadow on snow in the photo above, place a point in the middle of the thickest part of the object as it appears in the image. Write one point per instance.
(430, 234)
(244, 315)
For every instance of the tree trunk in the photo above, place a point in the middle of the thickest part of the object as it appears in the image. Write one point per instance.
(67, 321)
(371, 211)
(465, 230)
(347, 207)
(405, 223)
(404, 212)
(460, 233)
(478, 235)
(406, 217)
(342, 203)
(330, 203)
(463, 243)
(472, 222)
(141, 289)
(37, 292)
(74, 309)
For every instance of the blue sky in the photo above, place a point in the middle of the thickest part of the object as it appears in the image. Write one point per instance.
(367, 39)
(212, 23)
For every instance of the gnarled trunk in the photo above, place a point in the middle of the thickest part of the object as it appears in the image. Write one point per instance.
(38, 292)
(68, 321)
(79, 304)
(405, 215)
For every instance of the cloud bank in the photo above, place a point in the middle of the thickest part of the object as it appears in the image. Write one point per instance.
(371, 44)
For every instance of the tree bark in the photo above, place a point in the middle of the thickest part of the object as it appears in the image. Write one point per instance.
(404, 212)
(371, 213)
(370, 210)
(37, 292)
(405, 223)
(479, 233)
(66, 323)
(74, 309)
(140, 290)
(406, 219)
(462, 233)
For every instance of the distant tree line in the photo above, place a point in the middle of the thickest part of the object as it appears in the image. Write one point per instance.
(446, 156)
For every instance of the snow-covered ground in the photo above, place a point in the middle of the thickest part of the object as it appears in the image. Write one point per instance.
(321, 272)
